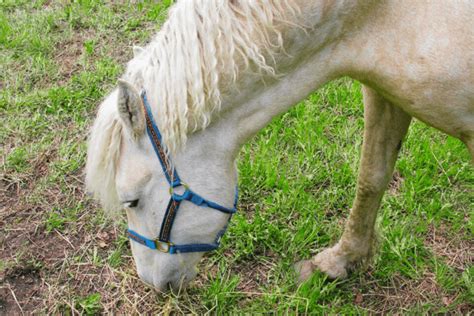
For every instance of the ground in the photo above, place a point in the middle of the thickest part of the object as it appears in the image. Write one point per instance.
(60, 254)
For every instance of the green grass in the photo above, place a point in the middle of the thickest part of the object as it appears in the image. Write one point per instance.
(297, 183)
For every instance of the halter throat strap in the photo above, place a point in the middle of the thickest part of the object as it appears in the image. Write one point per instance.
(163, 242)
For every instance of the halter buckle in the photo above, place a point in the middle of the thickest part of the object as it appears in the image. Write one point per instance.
(163, 246)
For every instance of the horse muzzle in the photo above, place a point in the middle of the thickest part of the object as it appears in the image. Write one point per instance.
(165, 282)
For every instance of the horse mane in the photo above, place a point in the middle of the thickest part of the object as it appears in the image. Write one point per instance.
(198, 53)
(103, 153)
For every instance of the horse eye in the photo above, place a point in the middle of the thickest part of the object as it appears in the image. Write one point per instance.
(132, 203)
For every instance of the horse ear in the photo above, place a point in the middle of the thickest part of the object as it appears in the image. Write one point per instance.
(130, 108)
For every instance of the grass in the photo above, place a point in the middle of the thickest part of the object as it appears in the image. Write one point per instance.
(59, 254)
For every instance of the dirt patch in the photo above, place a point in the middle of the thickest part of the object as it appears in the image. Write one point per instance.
(21, 289)
(9, 188)
(52, 271)
(67, 56)
(457, 252)
(40, 259)
(404, 294)
(29, 254)
(395, 184)
(254, 275)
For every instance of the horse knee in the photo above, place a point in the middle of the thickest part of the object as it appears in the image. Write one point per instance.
(369, 186)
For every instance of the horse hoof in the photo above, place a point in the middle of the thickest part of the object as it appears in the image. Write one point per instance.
(330, 263)
(304, 269)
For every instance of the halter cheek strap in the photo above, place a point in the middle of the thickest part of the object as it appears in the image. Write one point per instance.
(162, 242)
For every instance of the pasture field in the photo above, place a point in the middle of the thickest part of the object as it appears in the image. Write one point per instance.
(60, 254)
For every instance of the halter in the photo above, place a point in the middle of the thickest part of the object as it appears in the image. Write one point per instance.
(162, 242)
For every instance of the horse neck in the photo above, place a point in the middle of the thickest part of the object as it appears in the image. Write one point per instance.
(315, 55)
(313, 58)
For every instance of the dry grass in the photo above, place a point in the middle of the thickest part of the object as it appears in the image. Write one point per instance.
(455, 249)
(402, 295)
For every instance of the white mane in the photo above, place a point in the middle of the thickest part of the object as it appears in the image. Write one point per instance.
(103, 152)
(198, 53)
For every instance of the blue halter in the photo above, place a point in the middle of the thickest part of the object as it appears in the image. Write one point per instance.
(162, 242)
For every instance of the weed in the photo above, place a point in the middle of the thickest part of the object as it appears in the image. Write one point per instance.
(54, 221)
(17, 160)
(89, 305)
(59, 218)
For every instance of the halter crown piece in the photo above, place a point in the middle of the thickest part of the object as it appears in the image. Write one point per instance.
(162, 242)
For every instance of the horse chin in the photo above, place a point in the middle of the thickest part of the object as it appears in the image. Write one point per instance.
(173, 281)
(176, 284)
(183, 281)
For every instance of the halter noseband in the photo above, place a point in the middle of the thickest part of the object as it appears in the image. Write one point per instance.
(163, 243)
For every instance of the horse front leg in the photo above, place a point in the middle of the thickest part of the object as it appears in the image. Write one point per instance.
(385, 127)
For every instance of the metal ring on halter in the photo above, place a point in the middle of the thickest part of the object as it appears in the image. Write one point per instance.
(184, 185)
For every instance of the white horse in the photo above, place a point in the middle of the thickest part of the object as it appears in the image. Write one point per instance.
(219, 71)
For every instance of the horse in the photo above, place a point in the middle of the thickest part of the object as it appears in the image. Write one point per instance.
(218, 71)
